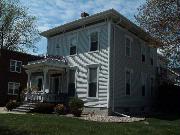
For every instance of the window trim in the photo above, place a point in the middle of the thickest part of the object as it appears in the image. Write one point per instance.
(75, 35)
(16, 61)
(97, 66)
(131, 41)
(98, 40)
(14, 85)
(131, 72)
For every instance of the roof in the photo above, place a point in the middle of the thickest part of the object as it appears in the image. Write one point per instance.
(111, 13)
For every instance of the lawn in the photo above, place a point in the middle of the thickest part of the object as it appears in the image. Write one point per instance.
(49, 124)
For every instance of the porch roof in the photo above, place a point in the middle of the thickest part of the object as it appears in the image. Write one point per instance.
(50, 63)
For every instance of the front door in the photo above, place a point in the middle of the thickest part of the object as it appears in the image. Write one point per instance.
(56, 83)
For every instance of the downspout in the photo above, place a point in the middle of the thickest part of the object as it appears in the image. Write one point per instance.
(114, 49)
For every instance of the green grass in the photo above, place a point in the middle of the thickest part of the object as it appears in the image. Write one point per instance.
(49, 124)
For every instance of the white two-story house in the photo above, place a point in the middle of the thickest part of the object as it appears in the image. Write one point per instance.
(103, 59)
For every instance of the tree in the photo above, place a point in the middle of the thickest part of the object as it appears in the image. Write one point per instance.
(18, 30)
(161, 19)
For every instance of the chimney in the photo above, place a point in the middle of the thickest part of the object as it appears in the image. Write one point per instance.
(84, 14)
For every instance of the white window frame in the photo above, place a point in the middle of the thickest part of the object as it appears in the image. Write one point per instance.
(14, 86)
(131, 41)
(131, 73)
(76, 37)
(16, 61)
(98, 46)
(88, 76)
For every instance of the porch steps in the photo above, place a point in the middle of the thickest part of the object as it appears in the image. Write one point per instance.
(26, 107)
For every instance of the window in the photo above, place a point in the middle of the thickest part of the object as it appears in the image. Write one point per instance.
(13, 88)
(143, 84)
(143, 52)
(152, 85)
(92, 86)
(57, 46)
(15, 66)
(128, 46)
(71, 86)
(94, 41)
(128, 82)
(143, 58)
(143, 90)
(73, 44)
(152, 62)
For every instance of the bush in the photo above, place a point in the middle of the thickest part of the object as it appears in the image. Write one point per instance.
(12, 105)
(44, 108)
(76, 106)
(60, 109)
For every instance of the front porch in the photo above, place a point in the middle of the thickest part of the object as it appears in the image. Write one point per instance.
(48, 81)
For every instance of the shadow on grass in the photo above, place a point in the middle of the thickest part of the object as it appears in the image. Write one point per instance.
(4, 130)
(166, 116)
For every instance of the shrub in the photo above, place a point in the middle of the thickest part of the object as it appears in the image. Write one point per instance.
(43, 108)
(76, 106)
(12, 105)
(60, 109)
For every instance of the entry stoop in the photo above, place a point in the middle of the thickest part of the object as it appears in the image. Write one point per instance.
(25, 108)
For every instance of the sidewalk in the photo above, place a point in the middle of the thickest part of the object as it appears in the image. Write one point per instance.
(4, 110)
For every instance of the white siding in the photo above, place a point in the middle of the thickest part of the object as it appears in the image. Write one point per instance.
(84, 58)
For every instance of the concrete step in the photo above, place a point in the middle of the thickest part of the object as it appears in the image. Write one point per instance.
(26, 107)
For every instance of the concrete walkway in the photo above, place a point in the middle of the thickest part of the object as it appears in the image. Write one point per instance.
(4, 110)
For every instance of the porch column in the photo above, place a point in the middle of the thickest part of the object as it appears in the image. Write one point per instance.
(29, 80)
(44, 82)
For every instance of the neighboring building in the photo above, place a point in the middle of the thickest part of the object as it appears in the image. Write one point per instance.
(107, 61)
(166, 74)
(12, 75)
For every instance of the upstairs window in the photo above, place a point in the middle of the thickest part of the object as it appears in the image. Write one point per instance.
(13, 88)
(128, 46)
(73, 46)
(94, 41)
(92, 82)
(143, 58)
(128, 82)
(15, 66)
(152, 62)
(71, 86)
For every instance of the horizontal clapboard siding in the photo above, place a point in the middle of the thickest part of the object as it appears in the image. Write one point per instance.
(119, 63)
(84, 58)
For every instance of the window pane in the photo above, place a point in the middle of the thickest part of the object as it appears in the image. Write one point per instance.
(128, 79)
(143, 90)
(73, 41)
(18, 66)
(72, 50)
(94, 37)
(17, 85)
(94, 41)
(12, 65)
(93, 75)
(92, 89)
(143, 58)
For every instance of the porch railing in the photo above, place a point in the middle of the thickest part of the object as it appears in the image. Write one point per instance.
(46, 97)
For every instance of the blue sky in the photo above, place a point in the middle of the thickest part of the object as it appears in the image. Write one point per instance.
(52, 13)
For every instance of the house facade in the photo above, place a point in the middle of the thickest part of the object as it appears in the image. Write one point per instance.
(103, 59)
(12, 75)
